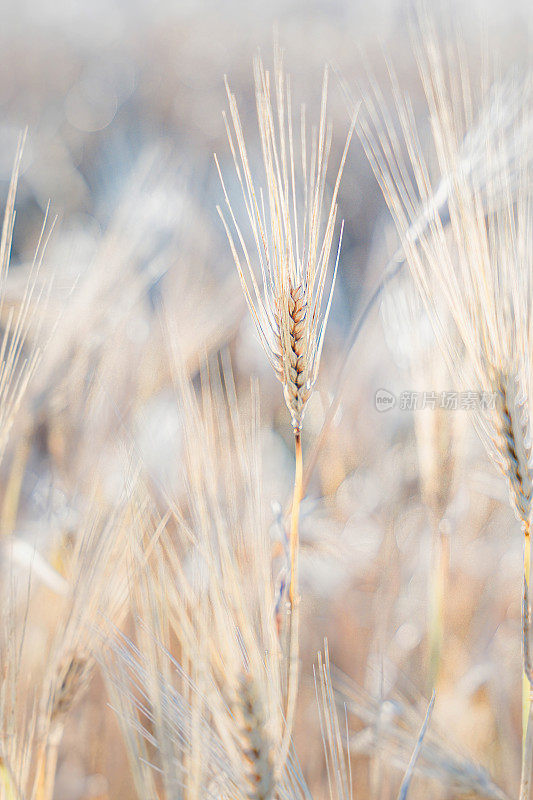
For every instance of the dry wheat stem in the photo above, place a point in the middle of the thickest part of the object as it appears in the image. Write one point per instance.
(527, 678)
(8, 783)
(438, 586)
(527, 757)
(512, 427)
(526, 611)
(295, 515)
(47, 763)
(294, 601)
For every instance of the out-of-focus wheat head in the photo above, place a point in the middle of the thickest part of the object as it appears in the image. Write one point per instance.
(19, 353)
(412, 341)
(212, 587)
(38, 689)
(293, 226)
(335, 747)
(390, 728)
(438, 430)
(480, 268)
(479, 265)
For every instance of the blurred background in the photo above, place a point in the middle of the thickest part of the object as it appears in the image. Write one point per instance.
(123, 104)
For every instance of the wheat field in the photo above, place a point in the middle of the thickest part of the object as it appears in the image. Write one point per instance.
(266, 378)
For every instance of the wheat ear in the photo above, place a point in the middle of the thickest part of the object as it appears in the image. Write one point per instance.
(512, 423)
(481, 268)
(256, 746)
(504, 102)
(286, 291)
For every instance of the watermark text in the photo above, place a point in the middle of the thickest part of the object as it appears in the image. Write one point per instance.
(410, 400)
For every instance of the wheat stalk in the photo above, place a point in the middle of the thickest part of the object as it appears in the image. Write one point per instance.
(292, 229)
(438, 433)
(481, 268)
(500, 118)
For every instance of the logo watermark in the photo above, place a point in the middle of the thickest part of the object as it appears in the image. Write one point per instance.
(384, 400)
(410, 400)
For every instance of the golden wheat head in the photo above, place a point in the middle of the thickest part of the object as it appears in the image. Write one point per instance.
(292, 227)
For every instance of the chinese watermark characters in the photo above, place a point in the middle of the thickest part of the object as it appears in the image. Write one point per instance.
(410, 400)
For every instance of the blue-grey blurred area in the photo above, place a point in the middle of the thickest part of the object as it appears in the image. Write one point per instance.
(99, 84)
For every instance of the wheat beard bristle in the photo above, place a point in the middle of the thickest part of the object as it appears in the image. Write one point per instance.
(293, 370)
(516, 465)
(256, 746)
